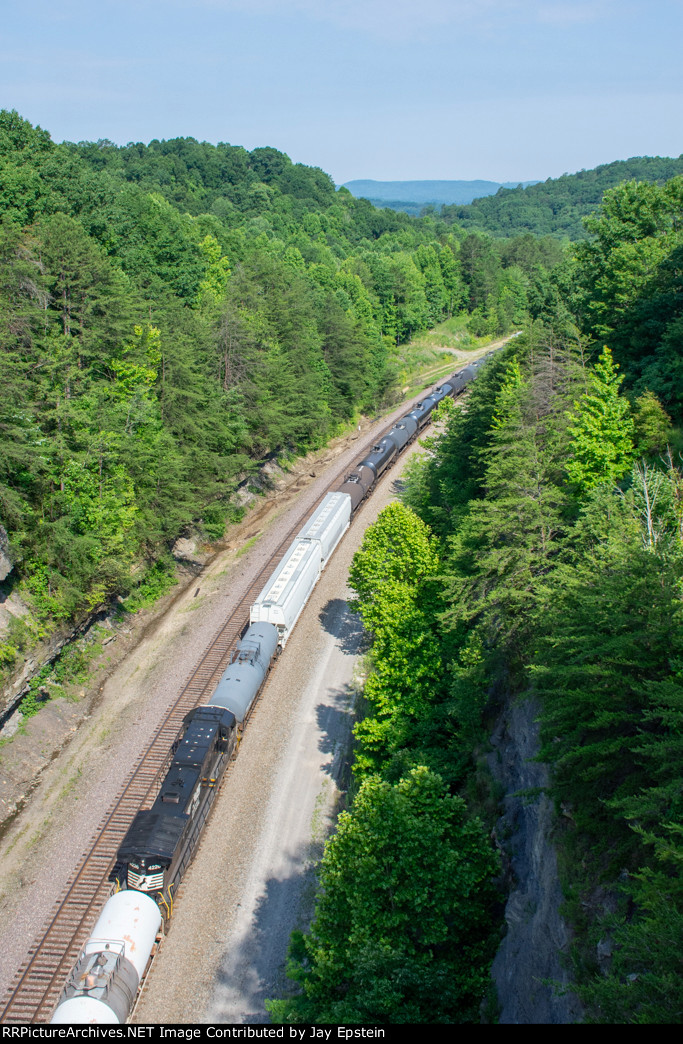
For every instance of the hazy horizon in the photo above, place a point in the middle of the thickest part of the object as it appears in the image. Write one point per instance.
(498, 90)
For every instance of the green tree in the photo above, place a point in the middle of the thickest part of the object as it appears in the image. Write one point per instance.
(402, 928)
(601, 428)
(397, 547)
(605, 665)
(652, 425)
(481, 269)
(506, 543)
(212, 286)
(452, 282)
(390, 574)
(453, 474)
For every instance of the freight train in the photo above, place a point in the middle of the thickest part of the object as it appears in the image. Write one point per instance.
(161, 840)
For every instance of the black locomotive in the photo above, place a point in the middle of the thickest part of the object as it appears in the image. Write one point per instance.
(160, 841)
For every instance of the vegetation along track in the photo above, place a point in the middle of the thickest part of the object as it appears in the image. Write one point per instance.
(38, 983)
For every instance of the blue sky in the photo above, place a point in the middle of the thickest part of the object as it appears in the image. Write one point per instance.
(384, 89)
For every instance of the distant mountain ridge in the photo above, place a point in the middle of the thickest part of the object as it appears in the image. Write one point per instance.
(556, 207)
(423, 193)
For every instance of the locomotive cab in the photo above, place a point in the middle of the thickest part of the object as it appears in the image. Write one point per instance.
(160, 841)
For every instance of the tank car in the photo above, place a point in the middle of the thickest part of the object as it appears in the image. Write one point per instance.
(440, 393)
(380, 456)
(357, 484)
(459, 380)
(422, 411)
(241, 681)
(104, 982)
(402, 432)
(160, 841)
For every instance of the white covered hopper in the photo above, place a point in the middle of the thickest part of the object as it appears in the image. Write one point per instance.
(289, 587)
(328, 524)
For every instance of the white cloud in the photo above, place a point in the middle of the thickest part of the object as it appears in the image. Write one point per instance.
(407, 18)
(72, 62)
(573, 12)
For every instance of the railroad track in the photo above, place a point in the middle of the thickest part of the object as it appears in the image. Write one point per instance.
(38, 983)
(35, 991)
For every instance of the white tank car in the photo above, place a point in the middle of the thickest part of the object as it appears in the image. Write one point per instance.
(104, 982)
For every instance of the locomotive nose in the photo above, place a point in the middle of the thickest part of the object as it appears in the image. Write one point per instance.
(144, 876)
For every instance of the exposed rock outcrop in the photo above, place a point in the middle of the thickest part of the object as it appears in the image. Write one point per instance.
(529, 960)
(11, 606)
(6, 564)
(186, 549)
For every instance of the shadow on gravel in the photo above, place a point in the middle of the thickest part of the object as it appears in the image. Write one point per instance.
(254, 969)
(336, 711)
(335, 718)
(337, 619)
(397, 487)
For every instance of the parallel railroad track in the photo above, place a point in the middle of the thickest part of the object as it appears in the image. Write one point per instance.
(38, 983)
(36, 989)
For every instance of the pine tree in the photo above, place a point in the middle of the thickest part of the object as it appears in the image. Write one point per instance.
(652, 424)
(506, 543)
(602, 430)
(604, 670)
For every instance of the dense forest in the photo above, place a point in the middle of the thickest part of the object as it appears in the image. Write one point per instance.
(173, 314)
(556, 207)
(537, 555)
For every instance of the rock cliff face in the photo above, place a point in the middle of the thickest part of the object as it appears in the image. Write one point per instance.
(530, 956)
(5, 560)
